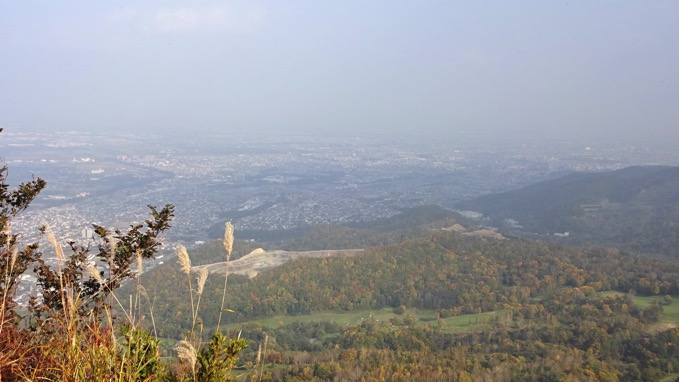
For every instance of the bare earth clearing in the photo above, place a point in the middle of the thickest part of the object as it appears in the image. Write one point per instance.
(259, 260)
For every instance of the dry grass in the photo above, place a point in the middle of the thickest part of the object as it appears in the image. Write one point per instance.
(184, 260)
(228, 240)
(187, 354)
(200, 283)
(202, 278)
(93, 272)
(140, 260)
(73, 346)
(228, 247)
(70, 332)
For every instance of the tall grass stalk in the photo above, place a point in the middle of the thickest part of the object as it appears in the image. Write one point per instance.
(8, 271)
(261, 367)
(140, 271)
(60, 259)
(144, 293)
(77, 342)
(200, 285)
(72, 330)
(185, 265)
(214, 359)
(187, 354)
(6, 277)
(228, 247)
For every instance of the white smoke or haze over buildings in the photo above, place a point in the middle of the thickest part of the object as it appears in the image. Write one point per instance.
(553, 69)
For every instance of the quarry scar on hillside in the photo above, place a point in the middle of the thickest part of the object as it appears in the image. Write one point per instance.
(259, 260)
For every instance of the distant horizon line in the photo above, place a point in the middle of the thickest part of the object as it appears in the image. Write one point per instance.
(412, 137)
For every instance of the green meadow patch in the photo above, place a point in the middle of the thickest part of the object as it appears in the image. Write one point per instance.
(456, 324)
(670, 312)
(670, 378)
(473, 322)
(346, 318)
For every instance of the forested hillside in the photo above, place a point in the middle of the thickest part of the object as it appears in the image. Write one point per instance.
(636, 208)
(532, 303)
(445, 272)
(410, 223)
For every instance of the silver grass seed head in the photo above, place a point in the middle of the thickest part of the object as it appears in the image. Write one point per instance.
(15, 255)
(186, 353)
(143, 291)
(111, 242)
(202, 277)
(184, 260)
(94, 273)
(228, 239)
(140, 268)
(53, 241)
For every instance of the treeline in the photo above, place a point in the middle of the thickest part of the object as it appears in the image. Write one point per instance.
(572, 335)
(409, 224)
(446, 272)
(550, 322)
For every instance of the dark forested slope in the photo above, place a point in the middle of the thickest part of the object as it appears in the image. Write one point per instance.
(635, 208)
(446, 272)
(551, 319)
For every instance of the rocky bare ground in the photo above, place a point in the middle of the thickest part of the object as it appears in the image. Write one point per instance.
(259, 260)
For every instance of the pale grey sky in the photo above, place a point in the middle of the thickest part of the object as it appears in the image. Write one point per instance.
(553, 68)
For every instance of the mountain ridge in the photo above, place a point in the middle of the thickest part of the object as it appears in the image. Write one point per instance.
(635, 208)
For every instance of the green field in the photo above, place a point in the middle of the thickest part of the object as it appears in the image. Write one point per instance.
(456, 324)
(471, 322)
(462, 323)
(670, 311)
(344, 318)
(670, 378)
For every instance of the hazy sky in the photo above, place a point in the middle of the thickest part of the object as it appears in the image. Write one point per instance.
(563, 68)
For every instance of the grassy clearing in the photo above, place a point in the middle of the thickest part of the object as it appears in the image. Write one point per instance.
(670, 378)
(346, 318)
(463, 323)
(470, 322)
(670, 311)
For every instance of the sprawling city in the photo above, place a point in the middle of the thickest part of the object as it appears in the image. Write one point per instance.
(276, 183)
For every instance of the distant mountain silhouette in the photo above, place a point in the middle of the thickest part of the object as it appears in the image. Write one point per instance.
(409, 223)
(635, 208)
(429, 216)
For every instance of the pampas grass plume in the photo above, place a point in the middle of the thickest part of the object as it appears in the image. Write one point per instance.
(186, 353)
(15, 255)
(94, 273)
(184, 260)
(53, 240)
(140, 268)
(111, 242)
(259, 355)
(228, 240)
(202, 277)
